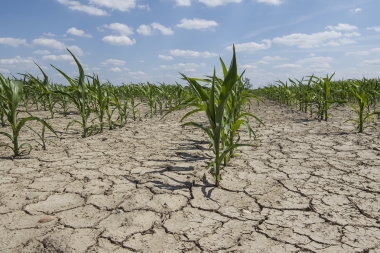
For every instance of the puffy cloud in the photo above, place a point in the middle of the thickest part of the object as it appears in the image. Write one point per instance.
(197, 24)
(165, 57)
(46, 42)
(356, 10)
(75, 50)
(119, 40)
(342, 27)
(357, 53)
(77, 6)
(214, 3)
(272, 2)
(120, 28)
(77, 32)
(183, 2)
(183, 66)
(164, 30)
(113, 62)
(370, 62)
(144, 6)
(121, 5)
(307, 40)
(273, 58)
(251, 46)
(287, 66)
(41, 52)
(12, 42)
(144, 30)
(189, 53)
(17, 61)
(375, 28)
(147, 30)
(62, 57)
(115, 69)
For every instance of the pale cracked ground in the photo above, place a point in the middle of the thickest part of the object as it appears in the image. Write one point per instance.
(309, 186)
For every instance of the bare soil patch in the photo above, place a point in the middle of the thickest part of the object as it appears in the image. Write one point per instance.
(309, 186)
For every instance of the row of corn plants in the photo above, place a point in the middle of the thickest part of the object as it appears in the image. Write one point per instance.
(98, 104)
(315, 95)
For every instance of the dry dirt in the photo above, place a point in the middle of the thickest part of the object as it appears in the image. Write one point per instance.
(309, 186)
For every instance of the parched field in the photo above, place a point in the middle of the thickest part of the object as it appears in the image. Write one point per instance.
(309, 186)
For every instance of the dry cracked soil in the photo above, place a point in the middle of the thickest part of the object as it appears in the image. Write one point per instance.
(308, 186)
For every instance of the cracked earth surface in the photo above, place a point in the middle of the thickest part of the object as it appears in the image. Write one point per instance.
(309, 186)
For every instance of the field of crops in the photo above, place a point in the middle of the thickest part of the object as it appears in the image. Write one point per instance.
(210, 167)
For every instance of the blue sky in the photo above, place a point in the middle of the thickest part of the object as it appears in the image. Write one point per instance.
(137, 41)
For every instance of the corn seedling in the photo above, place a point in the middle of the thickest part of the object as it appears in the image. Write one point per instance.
(42, 137)
(79, 96)
(358, 91)
(11, 97)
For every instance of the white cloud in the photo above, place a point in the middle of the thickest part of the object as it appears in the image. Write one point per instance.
(144, 6)
(316, 64)
(248, 66)
(375, 50)
(115, 69)
(41, 52)
(344, 41)
(165, 57)
(213, 3)
(273, 58)
(356, 10)
(342, 27)
(4, 70)
(137, 73)
(183, 66)
(376, 28)
(62, 57)
(119, 40)
(120, 28)
(353, 34)
(287, 66)
(75, 50)
(189, 53)
(251, 46)
(370, 62)
(164, 30)
(357, 53)
(113, 62)
(121, 5)
(77, 6)
(144, 30)
(273, 2)
(53, 43)
(12, 42)
(196, 23)
(183, 2)
(307, 40)
(17, 61)
(77, 32)
(314, 60)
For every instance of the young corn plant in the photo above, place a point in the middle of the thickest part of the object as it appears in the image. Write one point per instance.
(45, 91)
(79, 96)
(43, 141)
(358, 90)
(324, 99)
(11, 97)
(213, 103)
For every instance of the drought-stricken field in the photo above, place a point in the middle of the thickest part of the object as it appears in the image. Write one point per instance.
(309, 186)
